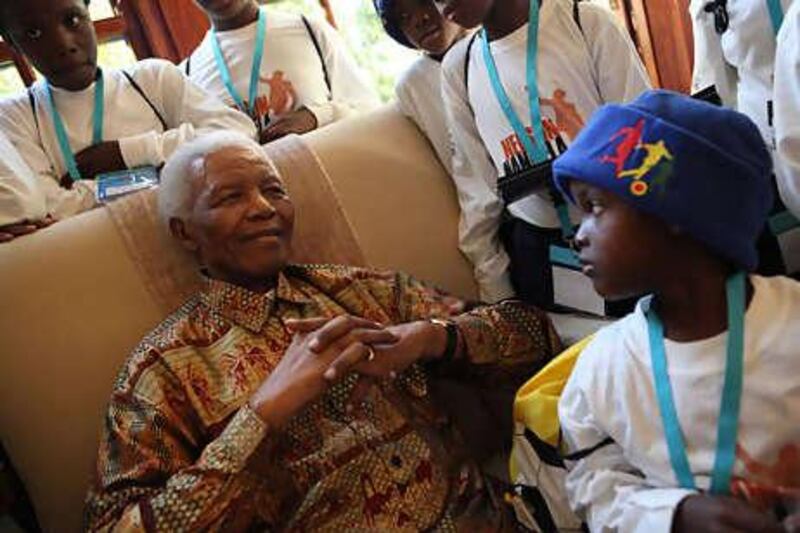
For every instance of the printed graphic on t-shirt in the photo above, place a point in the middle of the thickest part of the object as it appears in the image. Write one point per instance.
(770, 487)
(281, 99)
(567, 121)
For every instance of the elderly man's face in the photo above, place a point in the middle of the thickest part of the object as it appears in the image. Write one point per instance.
(242, 219)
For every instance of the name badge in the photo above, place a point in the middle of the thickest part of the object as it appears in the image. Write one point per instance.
(571, 288)
(114, 185)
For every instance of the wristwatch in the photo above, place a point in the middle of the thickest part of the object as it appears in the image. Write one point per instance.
(452, 337)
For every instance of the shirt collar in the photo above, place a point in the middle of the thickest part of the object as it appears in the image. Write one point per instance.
(247, 308)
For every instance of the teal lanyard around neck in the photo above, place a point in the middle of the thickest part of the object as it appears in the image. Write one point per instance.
(775, 14)
(255, 68)
(61, 132)
(536, 148)
(728, 424)
(537, 152)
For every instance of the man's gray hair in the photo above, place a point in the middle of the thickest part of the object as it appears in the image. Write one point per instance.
(184, 167)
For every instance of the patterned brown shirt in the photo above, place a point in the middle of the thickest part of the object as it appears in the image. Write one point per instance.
(181, 450)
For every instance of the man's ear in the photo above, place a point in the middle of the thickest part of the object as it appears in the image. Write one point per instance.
(181, 232)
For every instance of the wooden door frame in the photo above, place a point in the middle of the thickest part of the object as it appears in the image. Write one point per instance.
(662, 33)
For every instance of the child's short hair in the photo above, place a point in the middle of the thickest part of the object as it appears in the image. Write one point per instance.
(702, 168)
(3, 30)
(384, 9)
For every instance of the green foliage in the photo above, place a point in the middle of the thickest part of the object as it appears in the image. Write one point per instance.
(382, 59)
(10, 81)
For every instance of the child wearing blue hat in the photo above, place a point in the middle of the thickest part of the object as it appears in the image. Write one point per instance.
(419, 25)
(687, 411)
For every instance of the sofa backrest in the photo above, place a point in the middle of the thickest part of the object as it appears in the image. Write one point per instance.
(78, 296)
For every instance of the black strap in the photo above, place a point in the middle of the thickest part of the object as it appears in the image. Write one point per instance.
(582, 454)
(319, 53)
(538, 507)
(708, 95)
(146, 99)
(547, 453)
(32, 100)
(466, 64)
(188, 67)
(576, 14)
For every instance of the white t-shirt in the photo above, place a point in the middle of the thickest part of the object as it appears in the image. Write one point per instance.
(629, 485)
(787, 108)
(740, 63)
(186, 109)
(578, 72)
(292, 74)
(20, 197)
(419, 94)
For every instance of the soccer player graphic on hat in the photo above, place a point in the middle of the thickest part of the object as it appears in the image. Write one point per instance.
(655, 153)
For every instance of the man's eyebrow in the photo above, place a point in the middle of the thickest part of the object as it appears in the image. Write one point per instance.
(272, 177)
(215, 188)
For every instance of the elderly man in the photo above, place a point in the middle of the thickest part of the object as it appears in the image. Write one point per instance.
(294, 397)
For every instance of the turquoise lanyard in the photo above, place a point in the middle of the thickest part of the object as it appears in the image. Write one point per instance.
(537, 152)
(775, 14)
(61, 132)
(728, 423)
(255, 69)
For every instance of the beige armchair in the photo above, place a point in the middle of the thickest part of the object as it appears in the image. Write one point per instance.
(78, 296)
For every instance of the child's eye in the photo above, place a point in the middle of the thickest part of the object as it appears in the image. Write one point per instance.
(33, 33)
(74, 21)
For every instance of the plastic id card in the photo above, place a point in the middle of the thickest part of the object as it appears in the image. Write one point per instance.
(571, 288)
(113, 185)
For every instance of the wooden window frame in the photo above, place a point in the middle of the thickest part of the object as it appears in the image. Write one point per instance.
(107, 29)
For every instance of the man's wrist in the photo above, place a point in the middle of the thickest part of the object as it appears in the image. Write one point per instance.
(444, 335)
(266, 410)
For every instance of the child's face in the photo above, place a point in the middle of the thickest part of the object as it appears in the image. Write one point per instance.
(467, 13)
(223, 9)
(58, 38)
(624, 251)
(425, 27)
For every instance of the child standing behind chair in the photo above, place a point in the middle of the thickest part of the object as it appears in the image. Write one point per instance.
(288, 73)
(686, 413)
(735, 51)
(82, 121)
(419, 25)
(516, 95)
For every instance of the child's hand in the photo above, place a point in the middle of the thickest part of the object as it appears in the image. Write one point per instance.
(25, 227)
(702, 512)
(100, 158)
(300, 121)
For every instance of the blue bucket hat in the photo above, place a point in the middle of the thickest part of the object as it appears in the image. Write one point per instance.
(384, 10)
(702, 168)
